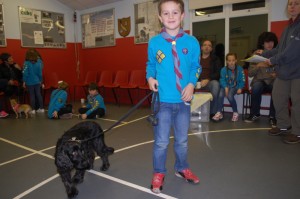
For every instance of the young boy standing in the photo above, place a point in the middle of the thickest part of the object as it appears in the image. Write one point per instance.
(172, 70)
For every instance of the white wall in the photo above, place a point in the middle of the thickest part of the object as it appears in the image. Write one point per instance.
(124, 9)
(278, 10)
(11, 15)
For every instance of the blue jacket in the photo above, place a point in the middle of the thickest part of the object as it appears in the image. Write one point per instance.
(32, 72)
(160, 65)
(94, 102)
(58, 100)
(232, 78)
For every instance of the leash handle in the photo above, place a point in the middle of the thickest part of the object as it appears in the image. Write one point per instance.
(155, 99)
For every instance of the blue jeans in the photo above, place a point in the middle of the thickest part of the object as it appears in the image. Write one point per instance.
(35, 93)
(214, 88)
(176, 115)
(230, 97)
(258, 88)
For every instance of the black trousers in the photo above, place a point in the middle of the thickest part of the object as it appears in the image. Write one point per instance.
(100, 112)
(64, 110)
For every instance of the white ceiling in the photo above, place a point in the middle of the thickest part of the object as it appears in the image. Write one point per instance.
(85, 4)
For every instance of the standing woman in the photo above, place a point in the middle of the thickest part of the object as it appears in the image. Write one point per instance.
(286, 60)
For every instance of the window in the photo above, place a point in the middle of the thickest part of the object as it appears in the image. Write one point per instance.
(213, 30)
(243, 37)
(248, 5)
(210, 10)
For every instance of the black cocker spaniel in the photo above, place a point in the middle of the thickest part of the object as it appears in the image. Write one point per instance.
(76, 149)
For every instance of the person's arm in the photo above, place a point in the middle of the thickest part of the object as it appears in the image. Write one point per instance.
(241, 78)
(151, 68)
(25, 73)
(223, 82)
(60, 100)
(195, 71)
(289, 54)
(252, 70)
(95, 106)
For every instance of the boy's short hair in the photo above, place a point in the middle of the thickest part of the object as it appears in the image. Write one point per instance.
(93, 86)
(180, 2)
(63, 85)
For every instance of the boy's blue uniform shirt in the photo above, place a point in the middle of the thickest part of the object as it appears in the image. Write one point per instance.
(94, 102)
(58, 100)
(160, 65)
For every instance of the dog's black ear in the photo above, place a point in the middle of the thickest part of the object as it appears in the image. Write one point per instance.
(62, 160)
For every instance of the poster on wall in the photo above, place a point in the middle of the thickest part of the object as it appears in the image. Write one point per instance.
(147, 23)
(2, 33)
(42, 29)
(98, 29)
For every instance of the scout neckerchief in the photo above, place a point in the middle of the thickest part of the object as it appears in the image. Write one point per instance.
(176, 60)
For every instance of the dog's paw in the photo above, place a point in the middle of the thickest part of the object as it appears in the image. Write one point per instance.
(73, 192)
(105, 167)
(77, 180)
(109, 150)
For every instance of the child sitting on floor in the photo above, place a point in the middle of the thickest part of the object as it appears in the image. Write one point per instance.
(232, 81)
(95, 104)
(57, 105)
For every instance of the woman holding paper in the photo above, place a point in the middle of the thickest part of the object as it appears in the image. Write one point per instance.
(286, 60)
(263, 79)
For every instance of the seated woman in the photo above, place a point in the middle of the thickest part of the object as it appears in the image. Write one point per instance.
(57, 107)
(263, 78)
(11, 74)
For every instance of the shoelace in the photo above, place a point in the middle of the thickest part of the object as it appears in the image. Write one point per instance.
(157, 179)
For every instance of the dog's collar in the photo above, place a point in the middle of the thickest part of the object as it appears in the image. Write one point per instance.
(16, 107)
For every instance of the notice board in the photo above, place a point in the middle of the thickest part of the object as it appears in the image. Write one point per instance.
(98, 29)
(147, 23)
(41, 29)
(2, 33)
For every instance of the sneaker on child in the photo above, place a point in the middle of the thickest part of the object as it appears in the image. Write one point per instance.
(40, 110)
(3, 114)
(66, 116)
(32, 112)
(157, 182)
(218, 116)
(188, 176)
(252, 118)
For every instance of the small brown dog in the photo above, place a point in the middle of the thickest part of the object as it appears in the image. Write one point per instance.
(19, 108)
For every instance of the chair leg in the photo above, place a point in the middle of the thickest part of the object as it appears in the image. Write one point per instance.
(130, 96)
(115, 96)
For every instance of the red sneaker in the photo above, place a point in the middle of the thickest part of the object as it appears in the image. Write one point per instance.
(157, 182)
(3, 114)
(188, 176)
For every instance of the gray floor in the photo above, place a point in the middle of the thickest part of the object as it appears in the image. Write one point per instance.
(233, 160)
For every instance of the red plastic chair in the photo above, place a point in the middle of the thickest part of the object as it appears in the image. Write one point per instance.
(50, 83)
(121, 79)
(106, 78)
(137, 78)
(91, 76)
